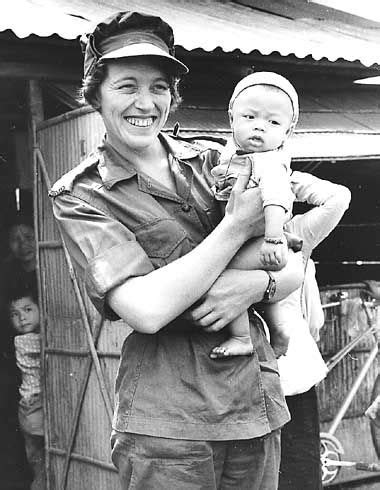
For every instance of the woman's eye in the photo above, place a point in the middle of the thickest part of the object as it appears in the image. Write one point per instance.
(127, 87)
(160, 87)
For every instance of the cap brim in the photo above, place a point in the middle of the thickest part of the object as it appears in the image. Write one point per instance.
(146, 49)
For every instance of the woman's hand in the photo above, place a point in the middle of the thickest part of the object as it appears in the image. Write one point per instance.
(228, 297)
(244, 210)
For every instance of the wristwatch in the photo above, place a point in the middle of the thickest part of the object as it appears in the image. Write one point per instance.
(271, 288)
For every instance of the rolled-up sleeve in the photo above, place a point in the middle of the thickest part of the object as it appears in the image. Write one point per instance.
(105, 253)
(329, 201)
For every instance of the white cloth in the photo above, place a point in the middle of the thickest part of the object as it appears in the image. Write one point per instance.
(270, 172)
(302, 367)
(28, 351)
(311, 301)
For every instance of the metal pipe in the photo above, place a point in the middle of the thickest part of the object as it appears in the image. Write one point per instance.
(334, 360)
(350, 395)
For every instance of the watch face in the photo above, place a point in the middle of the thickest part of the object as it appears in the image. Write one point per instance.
(271, 288)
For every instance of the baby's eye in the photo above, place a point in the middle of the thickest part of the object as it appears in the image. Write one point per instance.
(249, 116)
(275, 122)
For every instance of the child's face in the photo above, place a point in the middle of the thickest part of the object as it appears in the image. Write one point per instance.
(260, 118)
(25, 316)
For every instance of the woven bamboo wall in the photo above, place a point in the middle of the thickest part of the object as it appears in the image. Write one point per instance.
(71, 383)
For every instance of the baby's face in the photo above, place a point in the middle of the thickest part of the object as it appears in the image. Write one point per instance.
(260, 118)
(24, 314)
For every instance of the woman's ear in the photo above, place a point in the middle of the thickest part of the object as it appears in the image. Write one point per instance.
(230, 116)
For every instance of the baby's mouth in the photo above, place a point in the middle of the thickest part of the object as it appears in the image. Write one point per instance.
(140, 122)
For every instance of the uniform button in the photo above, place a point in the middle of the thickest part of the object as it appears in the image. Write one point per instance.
(186, 207)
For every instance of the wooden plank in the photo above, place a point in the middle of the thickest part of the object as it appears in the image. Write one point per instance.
(37, 71)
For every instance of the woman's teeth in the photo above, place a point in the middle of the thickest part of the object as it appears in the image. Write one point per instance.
(145, 122)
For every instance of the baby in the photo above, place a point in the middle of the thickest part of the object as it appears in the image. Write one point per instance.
(25, 320)
(263, 113)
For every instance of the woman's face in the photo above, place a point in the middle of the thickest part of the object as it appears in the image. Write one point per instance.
(134, 103)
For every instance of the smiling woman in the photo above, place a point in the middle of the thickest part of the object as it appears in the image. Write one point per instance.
(145, 233)
(135, 103)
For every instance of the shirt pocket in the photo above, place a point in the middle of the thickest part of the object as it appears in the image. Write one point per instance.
(163, 241)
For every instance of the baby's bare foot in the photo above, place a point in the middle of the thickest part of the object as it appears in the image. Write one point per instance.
(234, 346)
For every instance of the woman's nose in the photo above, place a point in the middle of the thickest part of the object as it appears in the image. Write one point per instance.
(144, 100)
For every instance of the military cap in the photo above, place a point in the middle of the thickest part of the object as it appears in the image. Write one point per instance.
(130, 34)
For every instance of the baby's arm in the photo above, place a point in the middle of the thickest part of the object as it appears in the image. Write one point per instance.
(271, 170)
(274, 250)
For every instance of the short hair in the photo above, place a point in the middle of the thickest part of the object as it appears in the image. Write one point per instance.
(89, 91)
(20, 291)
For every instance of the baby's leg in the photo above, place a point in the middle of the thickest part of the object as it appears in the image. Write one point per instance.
(276, 321)
(240, 342)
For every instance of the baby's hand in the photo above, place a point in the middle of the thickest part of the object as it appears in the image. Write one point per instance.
(274, 256)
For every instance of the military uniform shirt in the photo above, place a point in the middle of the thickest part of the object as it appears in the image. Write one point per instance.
(119, 223)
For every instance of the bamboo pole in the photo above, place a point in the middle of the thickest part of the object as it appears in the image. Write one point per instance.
(84, 459)
(78, 409)
(36, 116)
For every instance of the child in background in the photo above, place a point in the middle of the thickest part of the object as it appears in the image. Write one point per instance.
(25, 320)
(263, 113)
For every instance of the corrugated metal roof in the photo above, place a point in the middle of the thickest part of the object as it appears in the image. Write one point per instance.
(333, 125)
(208, 25)
(26, 17)
(340, 125)
(350, 110)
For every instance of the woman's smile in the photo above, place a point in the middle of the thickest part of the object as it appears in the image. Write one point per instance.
(141, 122)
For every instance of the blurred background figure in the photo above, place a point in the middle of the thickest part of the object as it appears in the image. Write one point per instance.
(18, 265)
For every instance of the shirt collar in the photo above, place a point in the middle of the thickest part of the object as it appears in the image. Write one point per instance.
(114, 167)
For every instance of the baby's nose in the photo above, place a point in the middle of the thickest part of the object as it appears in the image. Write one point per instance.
(259, 124)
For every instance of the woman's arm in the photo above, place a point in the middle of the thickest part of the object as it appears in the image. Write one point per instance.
(118, 275)
(235, 290)
(149, 302)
